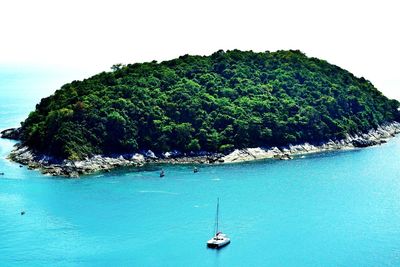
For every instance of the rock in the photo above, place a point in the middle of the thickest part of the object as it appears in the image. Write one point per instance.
(247, 154)
(212, 159)
(275, 150)
(138, 157)
(285, 150)
(285, 157)
(73, 174)
(12, 133)
(364, 142)
(175, 154)
(150, 154)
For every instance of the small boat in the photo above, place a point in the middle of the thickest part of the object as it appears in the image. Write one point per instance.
(1, 173)
(195, 170)
(219, 240)
(162, 173)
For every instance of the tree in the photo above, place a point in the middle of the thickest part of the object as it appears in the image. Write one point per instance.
(228, 100)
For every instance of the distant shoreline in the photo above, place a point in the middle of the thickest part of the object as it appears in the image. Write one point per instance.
(73, 169)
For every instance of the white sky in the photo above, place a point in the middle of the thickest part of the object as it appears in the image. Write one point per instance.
(89, 36)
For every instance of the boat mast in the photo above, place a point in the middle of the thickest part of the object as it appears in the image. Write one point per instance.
(217, 216)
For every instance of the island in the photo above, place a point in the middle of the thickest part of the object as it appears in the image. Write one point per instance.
(230, 106)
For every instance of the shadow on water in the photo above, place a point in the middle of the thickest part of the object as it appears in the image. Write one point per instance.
(218, 258)
(218, 250)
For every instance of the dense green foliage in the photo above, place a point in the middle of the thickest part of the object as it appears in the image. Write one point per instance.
(228, 100)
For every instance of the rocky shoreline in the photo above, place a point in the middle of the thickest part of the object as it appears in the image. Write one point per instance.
(67, 168)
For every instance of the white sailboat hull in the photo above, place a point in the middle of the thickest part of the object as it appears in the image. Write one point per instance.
(218, 241)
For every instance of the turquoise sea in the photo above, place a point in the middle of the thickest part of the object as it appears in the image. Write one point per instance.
(331, 209)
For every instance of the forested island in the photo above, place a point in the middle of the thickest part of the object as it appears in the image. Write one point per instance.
(196, 104)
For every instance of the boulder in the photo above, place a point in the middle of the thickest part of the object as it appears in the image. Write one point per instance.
(138, 157)
(12, 133)
(285, 156)
(150, 154)
(360, 142)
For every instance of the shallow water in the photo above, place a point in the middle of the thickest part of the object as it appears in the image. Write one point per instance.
(330, 209)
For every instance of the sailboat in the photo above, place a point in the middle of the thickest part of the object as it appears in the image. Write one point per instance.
(219, 240)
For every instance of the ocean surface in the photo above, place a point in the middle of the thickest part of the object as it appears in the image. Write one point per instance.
(330, 209)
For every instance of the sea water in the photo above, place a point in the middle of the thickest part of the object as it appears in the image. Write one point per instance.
(329, 209)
